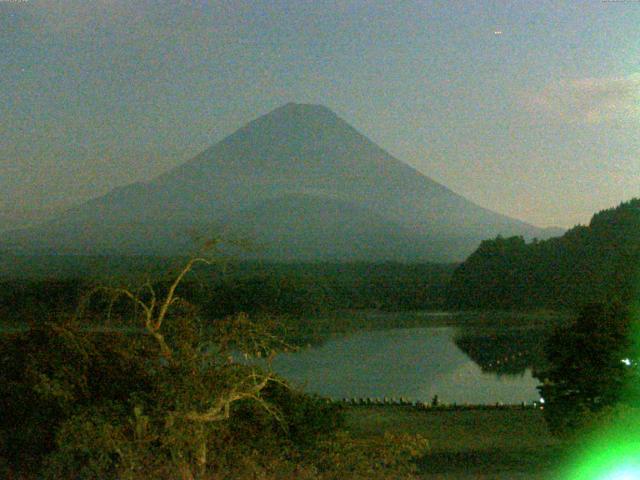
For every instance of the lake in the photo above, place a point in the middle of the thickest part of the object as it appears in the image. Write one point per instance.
(414, 363)
(418, 363)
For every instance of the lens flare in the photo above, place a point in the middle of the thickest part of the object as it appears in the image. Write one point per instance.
(613, 452)
(612, 455)
(624, 473)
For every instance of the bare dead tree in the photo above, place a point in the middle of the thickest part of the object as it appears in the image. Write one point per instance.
(154, 310)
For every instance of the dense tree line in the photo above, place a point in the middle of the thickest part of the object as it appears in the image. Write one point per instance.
(311, 288)
(587, 264)
(275, 289)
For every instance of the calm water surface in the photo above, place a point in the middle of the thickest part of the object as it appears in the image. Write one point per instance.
(416, 363)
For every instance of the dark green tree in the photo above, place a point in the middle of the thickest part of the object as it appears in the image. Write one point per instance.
(592, 365)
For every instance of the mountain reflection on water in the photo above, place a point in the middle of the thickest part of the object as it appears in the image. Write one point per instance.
(419, 363)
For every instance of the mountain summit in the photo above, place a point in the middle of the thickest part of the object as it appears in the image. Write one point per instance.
(301, 183)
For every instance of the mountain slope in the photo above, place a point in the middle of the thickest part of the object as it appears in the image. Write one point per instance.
(301, 159)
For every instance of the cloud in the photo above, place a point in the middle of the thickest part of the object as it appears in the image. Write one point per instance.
(588, 100)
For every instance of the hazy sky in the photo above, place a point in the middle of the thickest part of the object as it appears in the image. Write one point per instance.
(530, 108)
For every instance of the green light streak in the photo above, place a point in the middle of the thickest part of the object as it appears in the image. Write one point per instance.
(613, 455)
(613, 451)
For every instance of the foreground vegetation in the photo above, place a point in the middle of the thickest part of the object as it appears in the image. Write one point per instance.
(165, 399)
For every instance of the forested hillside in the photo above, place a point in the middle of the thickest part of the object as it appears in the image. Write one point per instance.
(586, 264)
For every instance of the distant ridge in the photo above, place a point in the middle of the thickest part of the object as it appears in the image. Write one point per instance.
(301, 183)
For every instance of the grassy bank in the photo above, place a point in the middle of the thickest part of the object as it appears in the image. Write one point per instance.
(492, 443)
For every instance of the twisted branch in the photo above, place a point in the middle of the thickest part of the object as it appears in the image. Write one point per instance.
(221, 410)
